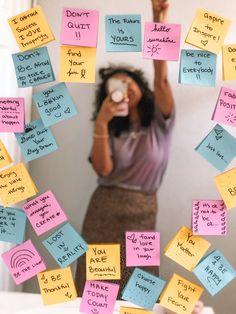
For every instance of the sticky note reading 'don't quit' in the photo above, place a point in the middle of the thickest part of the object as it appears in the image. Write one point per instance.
(229, 62)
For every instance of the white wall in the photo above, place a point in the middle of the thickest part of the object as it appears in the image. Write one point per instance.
(188, 177)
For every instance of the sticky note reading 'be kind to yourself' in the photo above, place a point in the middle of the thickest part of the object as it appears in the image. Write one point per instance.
(5, 158)
(12, 115)
(229, 62)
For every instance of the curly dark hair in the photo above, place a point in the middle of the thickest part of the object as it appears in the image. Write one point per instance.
(145, 106)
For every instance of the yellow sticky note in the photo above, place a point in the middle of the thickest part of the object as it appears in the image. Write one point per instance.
(31, 29)
(186, 249)
(103, 262)
(229, 62)
(208, 31)
(133, 310)
(16, 185)
(77, 64)
(5, 158)
(57, 286)
(226, 185)
(180, 295)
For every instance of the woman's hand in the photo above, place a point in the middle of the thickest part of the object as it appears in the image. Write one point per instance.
(160, 9)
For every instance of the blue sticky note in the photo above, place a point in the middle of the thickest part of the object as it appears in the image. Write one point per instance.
(36, 141)
(218, 147)
(33, 67)
(197, 67)
(65, 245)
(55, 104)
(143, 289)
(123, 33)
(214, 272)
(12, 225)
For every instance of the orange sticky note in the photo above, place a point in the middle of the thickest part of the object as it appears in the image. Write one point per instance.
(31, 29)
(16, 185)
(103, 262)
(186, 249)
(208, 31)
(77, 64)
(133, 310)
(229, 62)
(5, 158)
(57, 286)
(180, 295)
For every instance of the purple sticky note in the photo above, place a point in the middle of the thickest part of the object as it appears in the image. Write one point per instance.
(209, 217)
(142, 248)
(161, 41)
(79, 27)
(99, 297)
(12, 115)
(23, 262)
(44, 212)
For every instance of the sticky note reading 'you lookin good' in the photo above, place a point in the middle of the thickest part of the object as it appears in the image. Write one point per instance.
(12, 115)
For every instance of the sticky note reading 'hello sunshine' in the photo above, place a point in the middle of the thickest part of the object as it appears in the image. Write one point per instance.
(12, 114)
(5, 158)
(229, 62)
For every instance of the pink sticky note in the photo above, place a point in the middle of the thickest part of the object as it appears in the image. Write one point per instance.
(23, 262)
(142, 248)
(99, 297)
(79, 27)
(209, 217)
(44, 212)
(161, 41)
(225, 110)
(12, 115)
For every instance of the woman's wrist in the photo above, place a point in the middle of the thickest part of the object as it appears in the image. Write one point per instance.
(101, 129)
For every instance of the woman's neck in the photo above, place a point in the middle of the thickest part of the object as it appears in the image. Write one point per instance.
(134, 116)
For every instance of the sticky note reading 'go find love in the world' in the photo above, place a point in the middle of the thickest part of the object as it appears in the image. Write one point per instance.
(12, 115)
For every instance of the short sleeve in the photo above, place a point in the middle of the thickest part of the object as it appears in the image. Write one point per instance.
(165, 124)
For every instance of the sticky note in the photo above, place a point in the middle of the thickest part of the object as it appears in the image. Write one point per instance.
(218, 147)
(226, 185)
(225, 110)
(143, 289)
(33, 67)
(36, 141)
(209, 217)
(65, 245)
(208, 31)
(103, 262)
(161, 41)
(23, 262)
(99, 297)
(5, 158)
(180, 295)
(31, 29)
(12, 114)
(57, 286)
(16, 185)
(55, 104)
(229, 62)
(214, 272)
(186, 249)
(44, 212)
(197, 67)
(77, 64)
(133, 310)
(12, 225)
(79, 27)
(123, 33)
(142, 248)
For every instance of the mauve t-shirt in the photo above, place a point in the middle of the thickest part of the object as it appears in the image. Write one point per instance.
(140, 156)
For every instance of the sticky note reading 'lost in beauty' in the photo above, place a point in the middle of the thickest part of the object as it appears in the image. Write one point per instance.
(162, 41)
(65, 245)
(16, 185)
(229, 62)
(142, 248)
(79, 27)
(23, 262)
(12, 115)
(103, 262)
(99, 297)
(123, 33)
(133, 310)
(186, 249)
(57, 286)
(209, 217)
(31, 29)
(44, 212)
(5, 158)
(208, 31)
(180, 295)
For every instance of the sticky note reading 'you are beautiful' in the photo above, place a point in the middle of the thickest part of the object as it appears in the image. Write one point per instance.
(12, 114)
(229, 62)
(5, 158)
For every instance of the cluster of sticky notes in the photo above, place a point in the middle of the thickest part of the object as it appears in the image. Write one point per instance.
(186, 249)
(180, 295)
(229, 60)
(57, 286)
(12, 114)
(142, 248)
(5, 158)
(214, 272)
(209, 217)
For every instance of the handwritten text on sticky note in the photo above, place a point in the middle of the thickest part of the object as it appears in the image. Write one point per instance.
(229, 62)
(5, 158)
(12, 115)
